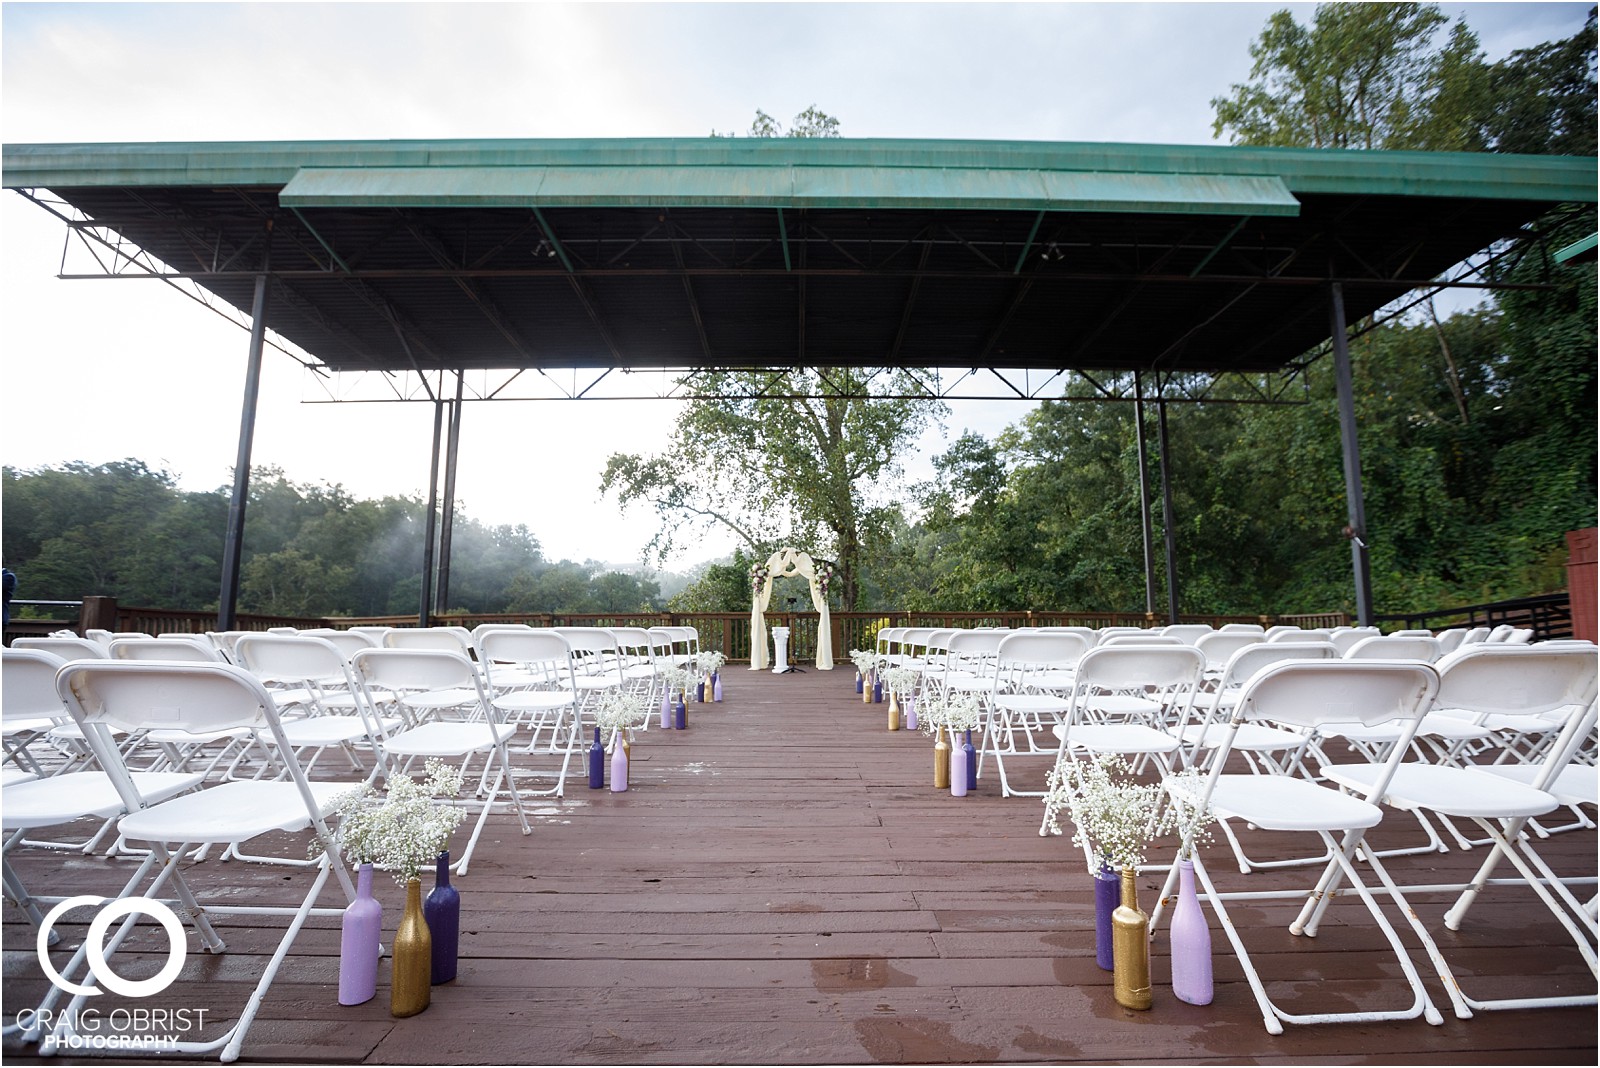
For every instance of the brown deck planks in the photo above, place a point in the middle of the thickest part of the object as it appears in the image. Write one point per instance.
(783, 885)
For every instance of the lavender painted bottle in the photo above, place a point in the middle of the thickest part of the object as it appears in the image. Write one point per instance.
(361, 931)
(1191, 942)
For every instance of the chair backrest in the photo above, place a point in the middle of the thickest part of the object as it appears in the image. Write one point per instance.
(132, 695)
(1220, 647)
(448, 639)
(1111, 632)
(165, 649)
(1042, 649)
(410, 670)
(1413, 632)
(536, 649)
(914, 638)
(1281, 628)
(1345, 639)
(1394, 647)
(1253, 657)
(588, 639)
(1517, 680)
(375, 633)
(1501, 633)
(348, 642)
(1308, 693)
(292, 658)
(1476, 634)
(1243, 628)
(1121, 667)
(28, 684)
(1187, 632)
(1450, 640)
(1147, 638)
(1298, 634)
(66, 648)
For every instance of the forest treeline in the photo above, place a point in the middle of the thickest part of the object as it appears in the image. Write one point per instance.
(124, 530)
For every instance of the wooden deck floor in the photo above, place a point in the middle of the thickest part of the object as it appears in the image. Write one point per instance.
(783, 885)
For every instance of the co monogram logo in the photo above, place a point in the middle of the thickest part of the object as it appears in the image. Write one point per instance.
(95, 946)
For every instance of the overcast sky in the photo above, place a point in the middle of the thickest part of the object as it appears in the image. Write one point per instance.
(98, 371)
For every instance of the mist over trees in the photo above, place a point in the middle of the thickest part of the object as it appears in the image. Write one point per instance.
(125, 530)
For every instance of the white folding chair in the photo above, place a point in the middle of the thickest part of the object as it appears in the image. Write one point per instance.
(66, 648)
(543, 691)
(1130, 700)
(1307, 694)
(316, 670)
(183, 648)
(136, 695)
(29, 707)
(1032, 684)
(1509, 680)
(477, 728)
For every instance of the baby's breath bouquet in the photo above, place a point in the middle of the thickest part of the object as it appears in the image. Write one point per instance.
(1189, 820)
(1114, 816)
(954, 712)
(621, 712)
(900, 680)
(709, 661)
(866, 660)
(404, 831)
(677, 679)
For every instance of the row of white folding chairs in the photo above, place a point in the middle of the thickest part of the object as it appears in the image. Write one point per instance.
(1316, 696)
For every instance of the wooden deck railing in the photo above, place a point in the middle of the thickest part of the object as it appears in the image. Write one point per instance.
(726, 632)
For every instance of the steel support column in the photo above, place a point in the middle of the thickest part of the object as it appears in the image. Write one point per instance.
(1356, 531)
(233, 543)
(448, 513)
(1144, 497)
(429, 522)
(1168, 528)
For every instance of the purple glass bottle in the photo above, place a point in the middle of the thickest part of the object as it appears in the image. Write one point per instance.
(1191, 942)
(716, 686)
(860, 682)
(1107, 896)
(680, 715)
(361, 931)
(971, 755)
(597, 762)
(442, 909)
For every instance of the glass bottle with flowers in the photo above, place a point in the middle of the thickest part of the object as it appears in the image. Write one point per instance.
(900, 682)
(866, 661)
(708, 662)
(1189, 935)
(616, 717)
(1114, 817)
(403, 832)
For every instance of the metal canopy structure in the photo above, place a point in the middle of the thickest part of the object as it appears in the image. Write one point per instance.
(408, 261)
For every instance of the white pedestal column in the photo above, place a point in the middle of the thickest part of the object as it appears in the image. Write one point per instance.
(780, 650)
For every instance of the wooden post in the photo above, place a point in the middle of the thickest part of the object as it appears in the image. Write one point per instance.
(97, 613)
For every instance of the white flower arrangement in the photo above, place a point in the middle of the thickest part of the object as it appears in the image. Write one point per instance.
(866, 660)
(824, 576)
(677, 679)
(709, 661)
(901, 680)
(403, 832)
(1114, 816)
(953, 712)
(621, 711)
(1188, 820)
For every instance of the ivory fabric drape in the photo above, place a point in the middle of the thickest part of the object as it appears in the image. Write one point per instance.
(782, 564)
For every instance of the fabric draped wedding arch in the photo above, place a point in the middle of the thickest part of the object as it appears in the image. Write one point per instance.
(783, 564)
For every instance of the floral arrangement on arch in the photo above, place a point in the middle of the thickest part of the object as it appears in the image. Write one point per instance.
(759, 573)
(402, 832)
(953, 711)
(824, 576)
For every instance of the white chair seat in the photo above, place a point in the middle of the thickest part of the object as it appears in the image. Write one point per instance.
(1578, 784)
(1032, 702)
(64, 798)
(29, 726)
(1453, 728)
(1254, 737)
(1451, 791)
(323, 730)
(533, 701)
(439, 699)
(1281, 803)
(1119, 738)
(232, 812)
(593, 682)
(1122, 705)
(13, 776)
(448, 739)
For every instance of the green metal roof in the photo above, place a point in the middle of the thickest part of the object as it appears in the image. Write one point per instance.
(702, 165)
(741, 252)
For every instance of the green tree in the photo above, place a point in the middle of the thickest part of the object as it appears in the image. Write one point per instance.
(767, 456)
(1362, 75)
(1542, 99)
